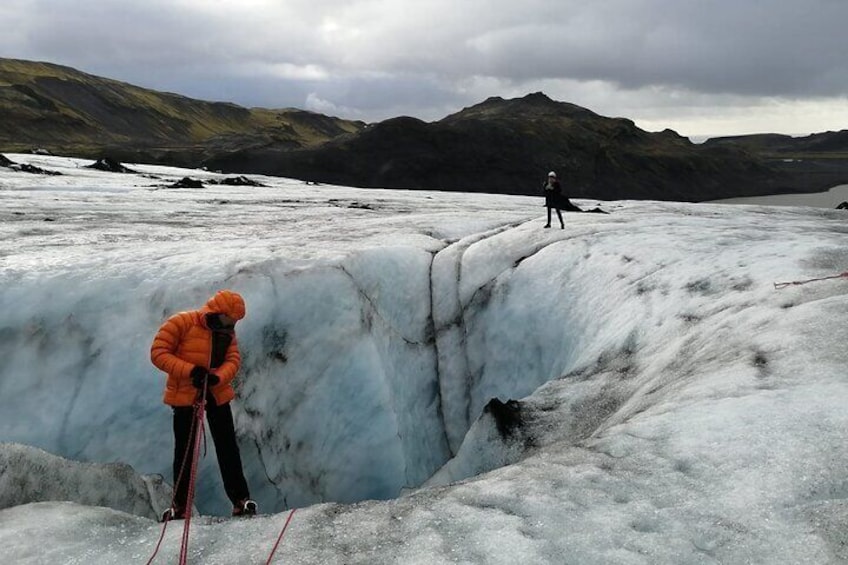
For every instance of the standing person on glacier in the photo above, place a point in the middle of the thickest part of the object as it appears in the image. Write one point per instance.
(553, 193)
(199, 351)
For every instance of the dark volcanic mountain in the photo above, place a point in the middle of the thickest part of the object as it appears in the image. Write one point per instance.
(505, 146)
(813, 162)
(508, 146)
(66, 111)
(832, 144)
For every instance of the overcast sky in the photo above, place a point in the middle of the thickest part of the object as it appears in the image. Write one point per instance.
(700, 67)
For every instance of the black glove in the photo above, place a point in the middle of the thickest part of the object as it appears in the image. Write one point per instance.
(200, 374)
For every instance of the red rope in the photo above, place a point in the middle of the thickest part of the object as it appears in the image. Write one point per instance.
(798, 283)
(159, 543)
(280, 538)
(198, 426)
(188, 450)
(193, 479)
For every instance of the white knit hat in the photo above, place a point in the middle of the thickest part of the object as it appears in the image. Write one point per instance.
(552, 174)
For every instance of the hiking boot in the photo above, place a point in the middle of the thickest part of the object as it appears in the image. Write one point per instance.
(245, 508)
(547, 225)
(173, 513)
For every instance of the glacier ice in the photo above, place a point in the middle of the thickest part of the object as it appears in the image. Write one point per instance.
(658, 400)
(28, 475)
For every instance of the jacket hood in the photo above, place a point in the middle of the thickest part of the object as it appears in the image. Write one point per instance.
(227, 302)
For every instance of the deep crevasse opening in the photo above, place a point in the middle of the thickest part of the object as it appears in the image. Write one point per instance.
(360, 377)
(371, 372)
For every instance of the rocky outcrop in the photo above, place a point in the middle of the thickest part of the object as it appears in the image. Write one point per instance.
(239, 180)
(25, 167)
(187, 182)
(109, 165)
(29, 474)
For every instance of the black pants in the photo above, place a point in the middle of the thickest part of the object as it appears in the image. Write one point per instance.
(223, 431)
(559, 215)
(552, 201)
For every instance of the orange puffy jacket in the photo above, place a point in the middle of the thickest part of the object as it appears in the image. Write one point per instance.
(185, 341)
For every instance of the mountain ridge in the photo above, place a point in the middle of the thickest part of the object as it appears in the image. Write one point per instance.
(61, 109)
(507, 146)
(498, 145)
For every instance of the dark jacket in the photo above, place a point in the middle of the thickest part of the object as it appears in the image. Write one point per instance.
(552, 190)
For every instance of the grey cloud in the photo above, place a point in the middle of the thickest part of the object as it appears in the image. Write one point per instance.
(764, 48)
(378, 56)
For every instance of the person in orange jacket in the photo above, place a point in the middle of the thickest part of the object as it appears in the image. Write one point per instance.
(199, 351)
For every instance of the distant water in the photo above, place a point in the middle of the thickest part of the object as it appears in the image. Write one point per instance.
(830, 199)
